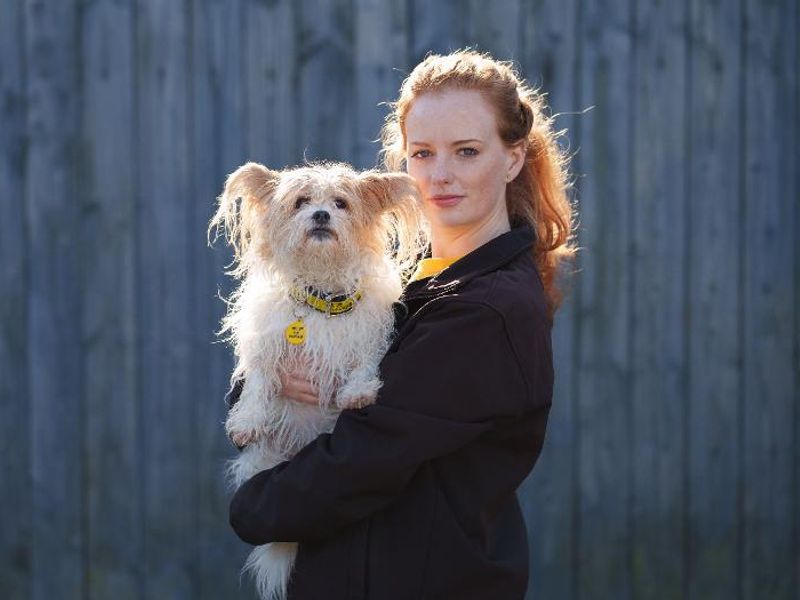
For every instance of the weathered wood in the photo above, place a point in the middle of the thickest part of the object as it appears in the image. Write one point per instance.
(436, 27)
(108, 302)
(169, 437)
(670, 468)
(604, 405)
(658, 302)
(548, 496)
(53, 202)
(770, 296)
(271, 58)
(15, 401)
(713, 162)
(793, 156)
(325, 93)
(497, 28)
(381, 45)
(225, 101)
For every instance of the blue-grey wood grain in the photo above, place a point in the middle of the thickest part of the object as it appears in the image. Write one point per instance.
(671, 467)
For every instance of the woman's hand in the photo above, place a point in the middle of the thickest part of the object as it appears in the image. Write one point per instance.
(296, 386)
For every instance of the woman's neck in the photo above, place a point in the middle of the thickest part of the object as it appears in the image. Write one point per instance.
(457, 241)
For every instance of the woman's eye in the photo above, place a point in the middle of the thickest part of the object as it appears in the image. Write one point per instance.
(468, 151)
(340, 203)
(300, 201)
(421, 154)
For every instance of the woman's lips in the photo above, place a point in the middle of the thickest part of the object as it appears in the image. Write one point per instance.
(446, 199)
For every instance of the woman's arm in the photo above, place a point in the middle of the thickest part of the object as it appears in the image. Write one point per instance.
(448, 383)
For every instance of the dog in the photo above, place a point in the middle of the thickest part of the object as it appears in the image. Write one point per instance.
(320, 251)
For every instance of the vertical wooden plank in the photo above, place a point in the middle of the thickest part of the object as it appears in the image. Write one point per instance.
(438, 27)
(794, 158)
(54, 350)
(220, 133)
(770, 298)
(658, 301)
(15, 402)
(713, 220)
(549, 55)
(271, 57)
(270, 107)
(108, 301)
(381, 45)
(496, 30)
(603, 398)
(166, 307)
(326, 93)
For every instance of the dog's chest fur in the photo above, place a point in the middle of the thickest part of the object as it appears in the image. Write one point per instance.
(340, 352)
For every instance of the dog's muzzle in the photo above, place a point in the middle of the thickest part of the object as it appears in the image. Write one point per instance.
(321, 217)
(321, 229)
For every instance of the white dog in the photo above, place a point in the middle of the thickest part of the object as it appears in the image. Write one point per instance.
(320, 250)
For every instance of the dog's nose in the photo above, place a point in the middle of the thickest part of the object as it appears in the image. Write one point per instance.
(321, 217)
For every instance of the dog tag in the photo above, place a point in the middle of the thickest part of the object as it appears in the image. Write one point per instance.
(296, 333)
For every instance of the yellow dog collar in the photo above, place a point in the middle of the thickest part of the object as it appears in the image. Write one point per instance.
(325, 302)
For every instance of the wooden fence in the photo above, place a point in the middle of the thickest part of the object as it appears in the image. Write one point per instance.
(671, 468)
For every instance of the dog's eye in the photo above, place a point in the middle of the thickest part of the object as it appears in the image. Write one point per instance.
(300, 201)
(340, 203)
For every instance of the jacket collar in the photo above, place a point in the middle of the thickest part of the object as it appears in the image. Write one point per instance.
(489, 257)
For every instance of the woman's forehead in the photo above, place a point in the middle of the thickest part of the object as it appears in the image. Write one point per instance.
(450, 116)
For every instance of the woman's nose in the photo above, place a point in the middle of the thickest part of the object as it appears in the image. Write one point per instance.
(441, 172)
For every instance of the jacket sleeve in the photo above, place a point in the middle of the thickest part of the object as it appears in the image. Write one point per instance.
(449, 381)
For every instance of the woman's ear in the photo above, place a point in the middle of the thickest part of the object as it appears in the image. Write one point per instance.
(253, 185)
(516, 160)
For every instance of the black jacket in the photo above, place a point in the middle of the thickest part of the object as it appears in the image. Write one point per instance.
(414, 496)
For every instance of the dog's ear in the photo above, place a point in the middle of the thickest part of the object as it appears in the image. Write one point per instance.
(385, 191)
(252, 182)
(253, 185)
(397, 198)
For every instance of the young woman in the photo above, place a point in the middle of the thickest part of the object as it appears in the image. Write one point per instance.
(414, 496)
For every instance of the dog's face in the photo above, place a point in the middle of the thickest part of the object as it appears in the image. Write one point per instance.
(320, 218)
(313, 219)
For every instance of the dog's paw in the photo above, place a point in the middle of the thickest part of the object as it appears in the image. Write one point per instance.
(359, 401)
(242, 438)
(239, 431)
(357, 395)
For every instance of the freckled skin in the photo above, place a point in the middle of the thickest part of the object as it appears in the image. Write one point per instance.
(453, 148)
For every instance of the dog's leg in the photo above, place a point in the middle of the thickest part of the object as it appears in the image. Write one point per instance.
(361, 386)
(253, 459)
(248, 417)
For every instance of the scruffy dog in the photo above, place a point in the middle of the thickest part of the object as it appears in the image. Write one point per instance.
(320, 250)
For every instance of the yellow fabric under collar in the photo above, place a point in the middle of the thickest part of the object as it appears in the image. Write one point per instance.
(428, 267)
(325, 303)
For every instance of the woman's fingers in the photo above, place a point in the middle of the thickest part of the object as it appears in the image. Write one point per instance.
(307, 399)
(296, 387)
(303, 386)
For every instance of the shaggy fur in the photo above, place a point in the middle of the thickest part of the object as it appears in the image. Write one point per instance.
(280, 238)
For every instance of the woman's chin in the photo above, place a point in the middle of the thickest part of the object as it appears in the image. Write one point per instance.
(446, 218)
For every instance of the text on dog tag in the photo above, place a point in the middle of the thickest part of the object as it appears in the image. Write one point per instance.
(296, 333)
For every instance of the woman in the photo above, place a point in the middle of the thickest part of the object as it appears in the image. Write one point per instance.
(414, 496)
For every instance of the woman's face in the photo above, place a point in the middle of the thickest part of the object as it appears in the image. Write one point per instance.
(454, 152)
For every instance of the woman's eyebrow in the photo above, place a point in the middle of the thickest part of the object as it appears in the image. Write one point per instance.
(456, 143)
